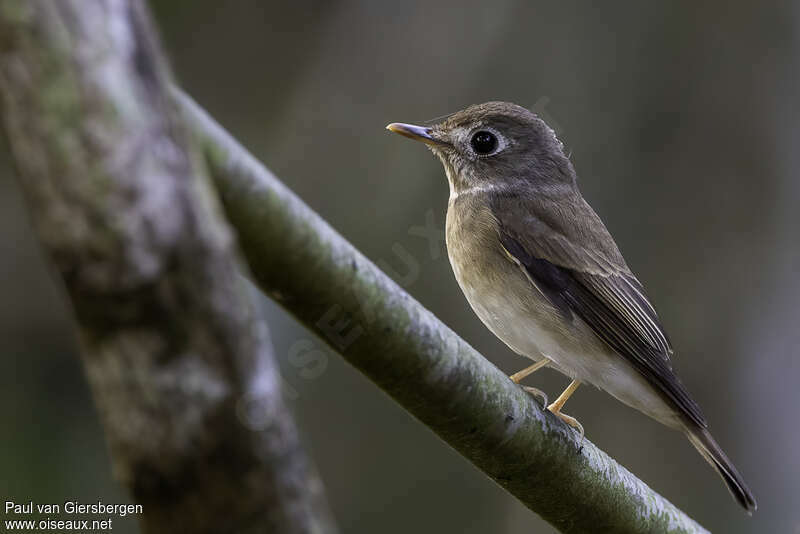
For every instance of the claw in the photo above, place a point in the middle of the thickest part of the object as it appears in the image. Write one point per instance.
(537, 393)
(571, 421)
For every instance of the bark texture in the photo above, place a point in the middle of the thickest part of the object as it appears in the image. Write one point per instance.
(300, 261)
(180, 367)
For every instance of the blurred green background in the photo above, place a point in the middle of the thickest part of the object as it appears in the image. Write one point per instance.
(683, 124)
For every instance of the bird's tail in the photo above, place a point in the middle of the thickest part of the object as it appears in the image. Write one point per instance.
(705, 444)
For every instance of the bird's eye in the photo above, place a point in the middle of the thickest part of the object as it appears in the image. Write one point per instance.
(483, 142)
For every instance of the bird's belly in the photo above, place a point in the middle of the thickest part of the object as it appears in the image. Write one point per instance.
(511, 307)
(524, 320)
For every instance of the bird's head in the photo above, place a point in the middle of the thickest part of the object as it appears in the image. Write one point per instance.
(494, 146)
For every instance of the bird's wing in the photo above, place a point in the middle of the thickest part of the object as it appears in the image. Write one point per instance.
(574, 262)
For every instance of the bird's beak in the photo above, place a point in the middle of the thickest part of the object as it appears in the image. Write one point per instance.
(418, 133)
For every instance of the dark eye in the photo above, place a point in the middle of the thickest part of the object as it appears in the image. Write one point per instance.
(483, 142)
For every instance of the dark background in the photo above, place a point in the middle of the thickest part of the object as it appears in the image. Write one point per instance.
(683, 124)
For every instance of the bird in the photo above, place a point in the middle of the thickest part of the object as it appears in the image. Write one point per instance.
(541, 271)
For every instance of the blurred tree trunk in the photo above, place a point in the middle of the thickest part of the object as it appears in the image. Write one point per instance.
(180, 367)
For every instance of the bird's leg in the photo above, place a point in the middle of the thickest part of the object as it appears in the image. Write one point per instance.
(555, 408)
(517, 377)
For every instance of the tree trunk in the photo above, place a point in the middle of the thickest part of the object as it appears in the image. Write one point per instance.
(180, 366)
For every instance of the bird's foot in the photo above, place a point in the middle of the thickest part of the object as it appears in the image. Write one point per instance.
(538, 393)
(571, 421)
(555, 408)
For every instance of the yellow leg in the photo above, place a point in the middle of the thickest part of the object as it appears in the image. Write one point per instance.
(555, 408)
(517, 377)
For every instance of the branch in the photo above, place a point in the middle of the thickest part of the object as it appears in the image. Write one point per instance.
(301, 262)
(176, 359)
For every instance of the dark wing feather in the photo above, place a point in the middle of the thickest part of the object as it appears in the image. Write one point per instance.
(593, 282)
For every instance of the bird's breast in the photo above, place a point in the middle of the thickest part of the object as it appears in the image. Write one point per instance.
(496, 288)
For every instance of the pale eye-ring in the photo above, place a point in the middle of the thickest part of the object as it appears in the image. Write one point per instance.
(483, 142)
